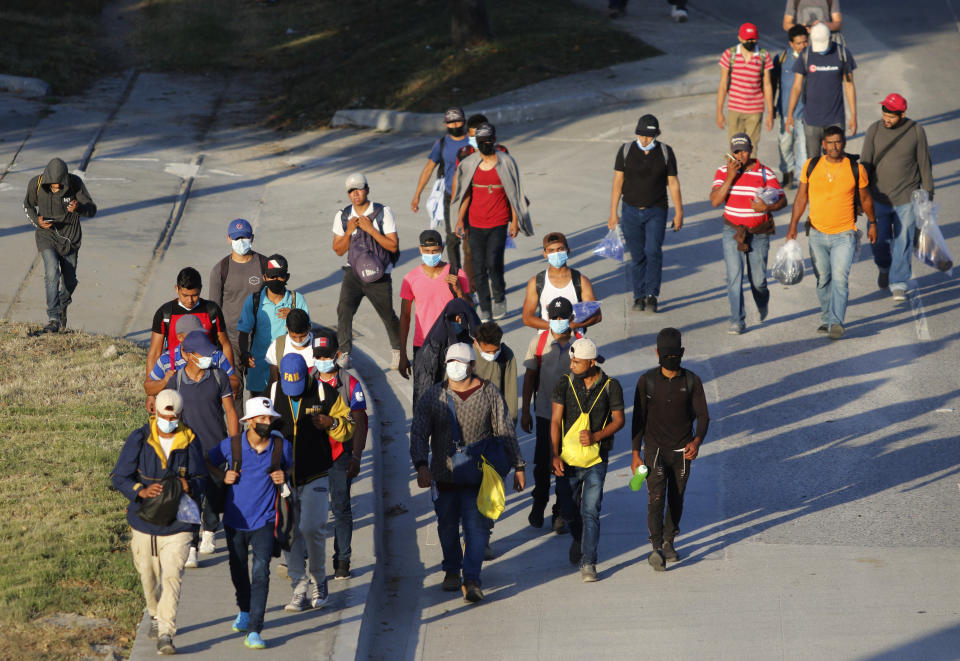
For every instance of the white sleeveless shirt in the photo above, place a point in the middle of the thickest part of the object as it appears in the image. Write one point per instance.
(550, 292)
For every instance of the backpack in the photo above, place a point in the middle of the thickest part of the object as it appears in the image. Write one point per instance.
(541, 346)
(852, 158)
(649, 381)
(224, 265)
(216, 377)
(541, 282)
(732, 52)
(167, 312)
(626, 147)
(368, 259)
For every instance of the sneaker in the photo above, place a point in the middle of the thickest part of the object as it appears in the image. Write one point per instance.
(344, 361)
(736, 329)
(395, 359)
(588, 573)
(53, 326)
(485, 315)
(836, 331)
(488, 553)
(318, 594)
(899, 294)
(656, 560)
(299, 601)
(63, 319)
(154, 631)
(191, 562)
(242, 622)
(472, 592)
(165, 646)
(575, 553)
(669, 552)
(764, 311)
(640, 304)
(558, 525)
(499, 309)
(451, 581)
(679, 15)
(652, 303)
(535, 518)
(822, 328)
(342, 571)
(207, 545)
(254, 641)
(883, 279)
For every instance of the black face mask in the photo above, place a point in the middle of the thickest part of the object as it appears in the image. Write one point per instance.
(671, 363)
(276, 286)
(262, 429)
(750, 45)
(485, 148)
(456, 131)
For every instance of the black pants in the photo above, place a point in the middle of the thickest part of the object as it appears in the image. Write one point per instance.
(486, 249)
(380, 295)
(666, 482)
(542, 465)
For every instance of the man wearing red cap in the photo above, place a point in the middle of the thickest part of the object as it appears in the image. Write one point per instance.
(745, 74)
(896, 155)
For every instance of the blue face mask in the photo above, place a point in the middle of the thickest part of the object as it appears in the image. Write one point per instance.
(473, 141)
(167, 426)
(324, 365)
(559, 326)
(241, 246)
(653, 143)
(431, 260)
(307, 340)
(557, 259)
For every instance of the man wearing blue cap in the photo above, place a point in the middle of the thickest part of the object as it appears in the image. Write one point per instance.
(316, 420)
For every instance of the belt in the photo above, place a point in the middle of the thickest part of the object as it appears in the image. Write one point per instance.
(489, 187)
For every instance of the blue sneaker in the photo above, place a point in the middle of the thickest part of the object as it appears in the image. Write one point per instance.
(254, 641)
(242, 622)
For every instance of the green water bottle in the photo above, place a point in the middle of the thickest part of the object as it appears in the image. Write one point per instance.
(637, 480)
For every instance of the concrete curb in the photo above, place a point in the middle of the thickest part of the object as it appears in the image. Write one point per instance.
(32, 87)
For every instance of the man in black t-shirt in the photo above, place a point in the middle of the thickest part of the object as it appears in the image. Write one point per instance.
(642, 173)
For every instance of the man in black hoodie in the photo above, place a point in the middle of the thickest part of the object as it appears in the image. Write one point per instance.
(54, 203)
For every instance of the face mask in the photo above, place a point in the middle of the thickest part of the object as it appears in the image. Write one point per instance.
(324, 365)
(473, 141)
(456, 132)
(432, 259)
(204, 362)
(750, 45)
(671, 363)
(262, 429)
(457, 371)
(490, 357)
(241, 246)
(276, 286)
(485, 148)
(180, 303)
(559, 326)
(305, 342)
(167, 426)
(456, 327)
(557, 259)
(653, 143)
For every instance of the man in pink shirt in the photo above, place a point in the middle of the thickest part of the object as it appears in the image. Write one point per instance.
(431, 285)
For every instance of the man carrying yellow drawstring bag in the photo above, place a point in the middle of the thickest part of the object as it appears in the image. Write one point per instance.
(587, 412)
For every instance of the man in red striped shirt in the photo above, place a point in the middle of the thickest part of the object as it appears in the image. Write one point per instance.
(749, 191)
(745, 74)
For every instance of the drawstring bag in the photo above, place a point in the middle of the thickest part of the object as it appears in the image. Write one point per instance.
(574, 453)
(491, 499)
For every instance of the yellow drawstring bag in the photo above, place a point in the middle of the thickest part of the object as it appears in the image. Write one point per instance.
(572, 451)
(492, 499)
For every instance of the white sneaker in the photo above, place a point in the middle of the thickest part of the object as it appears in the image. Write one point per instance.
(395, 360)
(299, 601)
(679, 15)
(344, 361)
(899, 294)
(318, 594)
(207, 545)
(191, 562)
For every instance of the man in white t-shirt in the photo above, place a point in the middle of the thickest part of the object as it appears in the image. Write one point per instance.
(380, 226)
(298, 339)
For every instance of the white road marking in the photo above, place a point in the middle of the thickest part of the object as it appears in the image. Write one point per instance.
(225, 173)
(182, 170)
(126, 158)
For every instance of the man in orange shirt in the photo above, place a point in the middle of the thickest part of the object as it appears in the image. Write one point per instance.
(836, 187)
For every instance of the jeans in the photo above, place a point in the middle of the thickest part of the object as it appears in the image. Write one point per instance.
(309, 539)
(380, 295)
(251, 587)
(486, 249)
(582, 510)
(59, 292)
(832, 257)
(793, 148)
(209, 520)
(814, 138)
(342, 512)
(896, 226)
(756, 265)
(453, 508)
(666, 482)
(643, 231)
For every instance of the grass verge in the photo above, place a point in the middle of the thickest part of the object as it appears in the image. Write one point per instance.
(324, 55)
(65, 411)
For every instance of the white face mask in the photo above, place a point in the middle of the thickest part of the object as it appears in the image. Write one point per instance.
(167, 426)
(490, 357)
(307, 341)
(180, 303)
(204, 362)
(457, 371)
(241, 246)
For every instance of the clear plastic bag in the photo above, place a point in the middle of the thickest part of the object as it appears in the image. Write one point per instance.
(583, 310)
(510, 244)
(188, 512)
(611, 246)
(788, 263)
(769, 195)
(434, 205)
(931, 247)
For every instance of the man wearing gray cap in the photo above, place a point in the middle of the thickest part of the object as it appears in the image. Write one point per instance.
(367, 233)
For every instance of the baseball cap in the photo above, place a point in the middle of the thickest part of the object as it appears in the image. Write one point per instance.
(356, 180)
(430, 238)
(894, 103)
(325, 343)
(198, 342)
(740, 142)
(187, 323)
(649, 126)
(239, 228)
(555, 237)
(748, 31)
(486, 131)
(293, 374)
(668, 342)
(819, 38)
(454, 114)
(276, 266)
(585, 349)
(560, 308)
(259, 406)
(461, 351)
(169, 401)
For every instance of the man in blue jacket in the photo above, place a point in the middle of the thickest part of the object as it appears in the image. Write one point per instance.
(162, 447)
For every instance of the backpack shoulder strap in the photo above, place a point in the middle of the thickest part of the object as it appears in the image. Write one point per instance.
(236, 451)
(345, 216)
(540, 281)
(577, 283)
(541, 345)
(624, 148)
(256, 313)
(293, 299)
(179, 379)
(663, 150)
(216, 377)
(224, 270)
(280, 345)
(689, 376)
(378, 216)
(166, 311)
(811, 165)
(276, 458)
(574, 391)
(263, 263)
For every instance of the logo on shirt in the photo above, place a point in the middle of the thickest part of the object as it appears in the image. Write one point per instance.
(254, 280)
(824, 67)
(359, 395)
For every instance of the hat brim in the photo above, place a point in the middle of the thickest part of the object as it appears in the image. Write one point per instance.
(275, 273)
(273, 414)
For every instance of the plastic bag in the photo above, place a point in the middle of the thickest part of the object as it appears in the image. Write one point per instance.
(611, 246)
(585, 309)
(769, 195)
(931, 247)
(188, 512)
(788, 263)
(435, 205)
(510, 244)
(492, 498)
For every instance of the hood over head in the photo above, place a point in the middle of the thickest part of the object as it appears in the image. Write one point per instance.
(56, 172)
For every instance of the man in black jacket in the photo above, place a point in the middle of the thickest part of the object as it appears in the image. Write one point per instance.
(667, 400)
(54, 203)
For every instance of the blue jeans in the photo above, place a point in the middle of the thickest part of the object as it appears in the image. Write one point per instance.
(585, 487)
(342, 512)
(793, 148)
(59, 292)
(453, 508)
(756, 267)
(643, 231)
(832, 257)
(251, 592)
(896, 226)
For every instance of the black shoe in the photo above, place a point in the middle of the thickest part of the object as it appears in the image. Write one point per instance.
(451, 581)
(165, 646)
(53, 326)
(883, 280)
(575, 552)
(652, 303)
(472, 592)
(489, 553)
(536, 517)
(787, 179)
(669, 553)
(656, 561)
(63, 319)
(558, 525)
(640, 304)
(822, 328)
(342, 571)
(764, 311)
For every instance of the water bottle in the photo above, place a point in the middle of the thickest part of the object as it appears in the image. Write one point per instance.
(637, 480)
